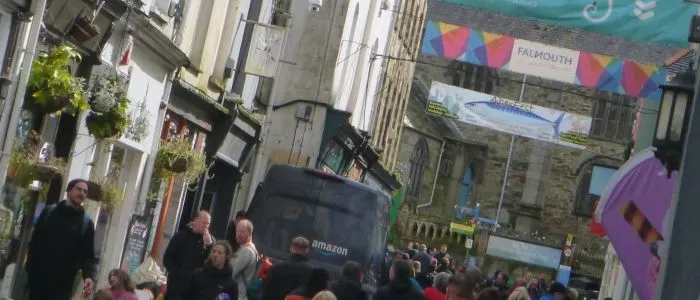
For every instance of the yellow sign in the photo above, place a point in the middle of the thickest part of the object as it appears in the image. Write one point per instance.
(462, 228)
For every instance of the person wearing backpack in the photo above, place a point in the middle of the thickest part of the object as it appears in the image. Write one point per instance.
(245, 261)
(290, 274)
(62, 243)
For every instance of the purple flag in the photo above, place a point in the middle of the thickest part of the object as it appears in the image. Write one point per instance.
(633, 209)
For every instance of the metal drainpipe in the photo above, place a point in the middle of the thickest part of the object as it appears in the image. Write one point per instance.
(37, 7)
(437, 172)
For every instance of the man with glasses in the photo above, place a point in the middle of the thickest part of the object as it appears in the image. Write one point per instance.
(62, 243)
(185, 254)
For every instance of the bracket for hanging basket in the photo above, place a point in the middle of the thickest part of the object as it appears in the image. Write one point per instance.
(83, 30)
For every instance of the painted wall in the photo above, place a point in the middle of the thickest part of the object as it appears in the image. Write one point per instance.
(146, 87)
(358, 68)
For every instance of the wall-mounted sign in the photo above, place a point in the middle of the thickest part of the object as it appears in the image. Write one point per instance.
(265, 50)
(586, 69)
(663, 22)
(523, 252)
(509, 116)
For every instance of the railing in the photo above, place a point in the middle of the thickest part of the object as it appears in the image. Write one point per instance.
(589, 264)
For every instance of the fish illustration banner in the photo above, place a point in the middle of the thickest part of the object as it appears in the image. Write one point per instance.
(586, 69)
(633, 210)
(655, 21)
(519, 118)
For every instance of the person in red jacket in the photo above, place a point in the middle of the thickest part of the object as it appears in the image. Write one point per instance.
(439, 288)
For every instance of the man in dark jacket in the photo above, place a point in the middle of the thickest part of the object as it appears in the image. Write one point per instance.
(424, 258)
(288, 275)
(186, 253)
(349, 285)
(63, 242)
(400, 287)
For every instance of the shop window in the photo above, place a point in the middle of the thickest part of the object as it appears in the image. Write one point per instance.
(591, 187)
(334, 157)
(418, 164)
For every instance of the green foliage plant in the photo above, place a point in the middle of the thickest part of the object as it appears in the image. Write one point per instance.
(51, 87)
(179, 159)
(109, 117)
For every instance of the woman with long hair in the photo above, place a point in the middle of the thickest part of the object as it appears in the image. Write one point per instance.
(215, 279)
(121, 286)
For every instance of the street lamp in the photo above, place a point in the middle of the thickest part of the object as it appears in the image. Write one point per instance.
(672, 122)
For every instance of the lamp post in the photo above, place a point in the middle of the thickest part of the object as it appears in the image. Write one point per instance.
(672, 121)
(677, 141)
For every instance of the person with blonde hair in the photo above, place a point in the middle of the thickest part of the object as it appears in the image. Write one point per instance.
(519, 293)
(324, 295)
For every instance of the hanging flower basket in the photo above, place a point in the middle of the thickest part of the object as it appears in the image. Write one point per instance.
(109, 117)
(180, 160)
(94, 190)
(83, 30)
(25, 166)
(106, 192)
(179, 165)
(51, 86)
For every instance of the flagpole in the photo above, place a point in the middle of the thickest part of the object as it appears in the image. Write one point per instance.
(510, 157)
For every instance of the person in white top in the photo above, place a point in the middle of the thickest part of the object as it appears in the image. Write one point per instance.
(245, 261)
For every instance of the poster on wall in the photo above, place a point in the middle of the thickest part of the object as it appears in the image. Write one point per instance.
(599, 72)
(519, 118)
(663, 22)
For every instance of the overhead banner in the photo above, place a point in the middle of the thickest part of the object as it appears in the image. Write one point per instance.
(586, 69)
(662, 22)
(519, 118)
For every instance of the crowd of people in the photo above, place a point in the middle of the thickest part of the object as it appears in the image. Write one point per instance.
(419, 273)
(200, 267)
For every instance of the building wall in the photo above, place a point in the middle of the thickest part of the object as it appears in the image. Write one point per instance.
(358, 69)
(545, 181)
(92, 158)
(390, 107)
(313, 43)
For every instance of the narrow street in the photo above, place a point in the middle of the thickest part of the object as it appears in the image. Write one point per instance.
(348, 149)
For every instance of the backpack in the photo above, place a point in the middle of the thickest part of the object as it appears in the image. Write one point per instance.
(261, 267)
(86, 219)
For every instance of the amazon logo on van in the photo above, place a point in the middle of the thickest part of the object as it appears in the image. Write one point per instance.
(327, 249)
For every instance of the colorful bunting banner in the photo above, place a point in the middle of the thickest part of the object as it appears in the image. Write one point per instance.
(586, 69)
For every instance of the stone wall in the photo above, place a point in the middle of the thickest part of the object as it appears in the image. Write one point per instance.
(546, 202)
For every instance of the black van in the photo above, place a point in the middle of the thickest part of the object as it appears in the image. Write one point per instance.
(343, 219)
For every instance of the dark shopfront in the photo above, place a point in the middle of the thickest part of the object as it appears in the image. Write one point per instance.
(229, 144)
(346, 151)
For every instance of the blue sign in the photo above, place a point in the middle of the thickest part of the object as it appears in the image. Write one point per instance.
(523, 252)
(655, 21)
(563, 275)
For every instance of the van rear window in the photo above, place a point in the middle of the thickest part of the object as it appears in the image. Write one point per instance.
(339, 219)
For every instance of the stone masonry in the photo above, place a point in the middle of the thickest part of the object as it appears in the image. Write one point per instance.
(544, 181)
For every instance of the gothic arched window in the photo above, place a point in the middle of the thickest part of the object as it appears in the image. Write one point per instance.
(418, 162)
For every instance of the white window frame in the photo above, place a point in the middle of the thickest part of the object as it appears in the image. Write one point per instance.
(5, 27)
